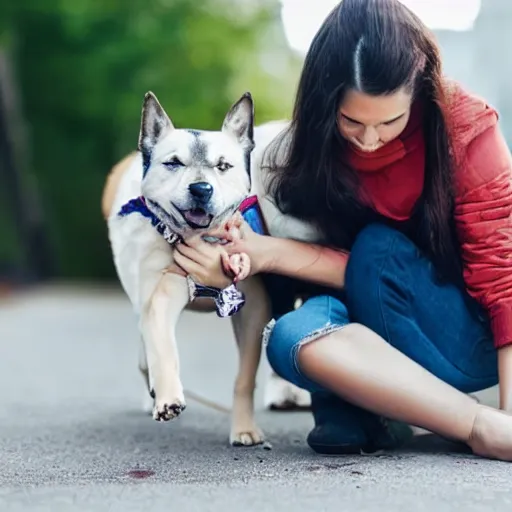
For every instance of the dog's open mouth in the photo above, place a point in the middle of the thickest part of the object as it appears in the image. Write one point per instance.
(197, 218)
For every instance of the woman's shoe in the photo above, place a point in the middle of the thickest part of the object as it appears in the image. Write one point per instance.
(342, 428)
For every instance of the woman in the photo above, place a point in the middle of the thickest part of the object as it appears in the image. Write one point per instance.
(410, 181)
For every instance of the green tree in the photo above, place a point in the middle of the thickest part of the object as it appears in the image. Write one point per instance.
(83, 67)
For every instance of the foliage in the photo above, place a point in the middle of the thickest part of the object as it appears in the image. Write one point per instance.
(83, 67)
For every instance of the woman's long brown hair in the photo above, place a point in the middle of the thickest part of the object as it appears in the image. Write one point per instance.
(376, 47)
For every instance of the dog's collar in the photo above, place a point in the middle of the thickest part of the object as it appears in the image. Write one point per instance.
(247, 203)
(244, 208)
(139, 205)
(227, 301)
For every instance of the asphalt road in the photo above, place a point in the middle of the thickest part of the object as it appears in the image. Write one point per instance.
(73, 438)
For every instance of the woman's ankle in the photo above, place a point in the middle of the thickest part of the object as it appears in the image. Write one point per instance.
(491, 435)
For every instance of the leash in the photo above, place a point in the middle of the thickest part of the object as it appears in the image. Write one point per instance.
(210, 404)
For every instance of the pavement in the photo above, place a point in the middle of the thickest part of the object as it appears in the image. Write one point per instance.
(73, 437)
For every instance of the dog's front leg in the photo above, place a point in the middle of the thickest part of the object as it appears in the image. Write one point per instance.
(248, 325)
(158, 326)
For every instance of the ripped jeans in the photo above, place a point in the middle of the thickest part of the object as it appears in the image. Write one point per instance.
(390, 288)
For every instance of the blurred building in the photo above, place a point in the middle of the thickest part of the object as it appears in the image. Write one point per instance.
(480, 58)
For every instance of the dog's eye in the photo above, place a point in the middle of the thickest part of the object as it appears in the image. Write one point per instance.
(174, 163)
(223, 166)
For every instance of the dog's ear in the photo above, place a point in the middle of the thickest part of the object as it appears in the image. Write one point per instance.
(239, 121)
(155, 123)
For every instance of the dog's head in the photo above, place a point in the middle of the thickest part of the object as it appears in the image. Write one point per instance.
(196, 178)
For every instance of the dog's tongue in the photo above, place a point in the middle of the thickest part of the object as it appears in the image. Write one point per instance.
(198, 216)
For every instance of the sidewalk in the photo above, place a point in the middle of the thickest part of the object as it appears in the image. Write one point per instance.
(72, 437)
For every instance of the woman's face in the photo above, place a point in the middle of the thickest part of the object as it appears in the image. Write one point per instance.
(369, 122)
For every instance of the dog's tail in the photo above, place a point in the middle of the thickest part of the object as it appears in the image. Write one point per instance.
(112, 183)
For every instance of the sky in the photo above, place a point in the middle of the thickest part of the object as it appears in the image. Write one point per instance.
(302, 18)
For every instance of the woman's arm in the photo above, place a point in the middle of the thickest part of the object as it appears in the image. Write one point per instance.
(484, 218)
(300, 260)
(505, 373)
(248, 253)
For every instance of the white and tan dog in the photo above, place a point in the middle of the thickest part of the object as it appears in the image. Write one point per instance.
(192, 181)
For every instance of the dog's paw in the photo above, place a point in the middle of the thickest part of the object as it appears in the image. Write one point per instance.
(166, 410)
(282, 395)
(246, 436)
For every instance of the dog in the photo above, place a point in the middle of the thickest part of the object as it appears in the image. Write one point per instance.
(194, 180)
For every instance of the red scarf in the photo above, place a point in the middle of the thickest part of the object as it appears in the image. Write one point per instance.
(392, 176)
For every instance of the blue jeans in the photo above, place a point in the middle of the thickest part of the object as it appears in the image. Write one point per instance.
(390, 287)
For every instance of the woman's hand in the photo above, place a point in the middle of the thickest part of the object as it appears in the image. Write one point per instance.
(243, 241)
(209, 264)
(300, 260)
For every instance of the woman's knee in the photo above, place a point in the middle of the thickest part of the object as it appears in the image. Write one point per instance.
(380, 253)
(284, 337)
(278, 341)
(375, 243)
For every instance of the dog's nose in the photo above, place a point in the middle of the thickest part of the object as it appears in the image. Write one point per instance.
(201, 190)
